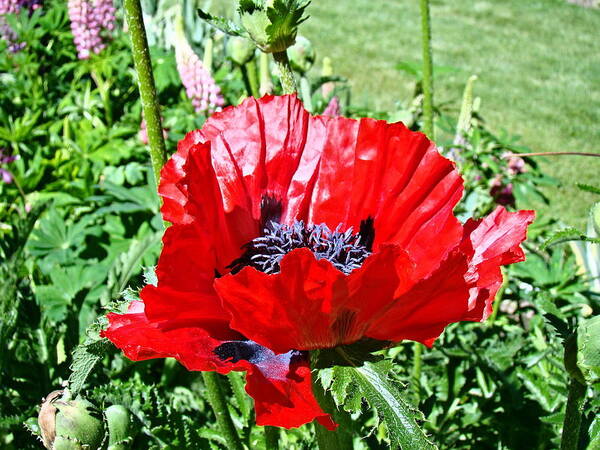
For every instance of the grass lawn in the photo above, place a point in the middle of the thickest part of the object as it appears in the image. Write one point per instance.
(538, 64)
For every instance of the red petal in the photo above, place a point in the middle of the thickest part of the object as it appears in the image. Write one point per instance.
(141, 339)
(385, 171)
(185, 272)
(280, 384)
(172, 188)
(495, 241)
(464, 286)
(283, 395)
(309, 304)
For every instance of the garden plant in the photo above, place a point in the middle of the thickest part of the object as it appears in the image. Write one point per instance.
(207, 242)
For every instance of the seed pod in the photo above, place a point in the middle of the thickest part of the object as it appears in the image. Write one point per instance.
(70, 424)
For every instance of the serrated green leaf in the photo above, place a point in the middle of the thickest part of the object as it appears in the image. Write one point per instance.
(285, 17)
(87, 355)
(352, 385)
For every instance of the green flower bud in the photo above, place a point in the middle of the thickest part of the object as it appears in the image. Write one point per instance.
(240, 50)
(120, 427)
(70, 424)
(272, 25)
(302, 55)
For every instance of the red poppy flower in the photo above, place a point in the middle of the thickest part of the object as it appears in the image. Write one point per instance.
(292, 233)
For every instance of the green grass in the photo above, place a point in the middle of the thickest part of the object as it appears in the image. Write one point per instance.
(538, 64)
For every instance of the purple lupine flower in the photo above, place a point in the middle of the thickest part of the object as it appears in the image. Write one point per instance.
(13, 7)
(6, 174)
(333, 107)
(91, 22)
(199, 84)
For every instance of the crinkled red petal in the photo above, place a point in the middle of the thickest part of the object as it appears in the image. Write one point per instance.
(172, 187)
(280, 384)
(309, 304)
(185, 272)
(463, 287)
(323, 170)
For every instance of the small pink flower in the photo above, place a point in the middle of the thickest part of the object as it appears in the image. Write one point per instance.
(91, 22)
(199, 84)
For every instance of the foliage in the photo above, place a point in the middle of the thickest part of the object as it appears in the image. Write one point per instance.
(88, 223)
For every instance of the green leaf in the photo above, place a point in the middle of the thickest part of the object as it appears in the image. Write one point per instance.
(285, 17)
(352, 385)
(589, 188)
(87, 355)
(220, 23)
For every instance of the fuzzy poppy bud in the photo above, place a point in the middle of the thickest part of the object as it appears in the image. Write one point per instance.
(272, 24)
(302, 55)
(240, 50)
(69, 424)
(120, 427)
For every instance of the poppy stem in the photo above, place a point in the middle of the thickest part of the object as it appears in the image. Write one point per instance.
(597, 155)
(427, 70)
(147, 88)
(416, 375)
(218, 402)
(288, 83)
(271, 438)
(572, 421)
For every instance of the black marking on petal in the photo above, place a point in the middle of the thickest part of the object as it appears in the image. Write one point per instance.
(270, 211)
(235, 351)
(367, 233)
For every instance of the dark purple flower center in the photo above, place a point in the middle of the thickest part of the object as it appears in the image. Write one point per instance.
(345, 250)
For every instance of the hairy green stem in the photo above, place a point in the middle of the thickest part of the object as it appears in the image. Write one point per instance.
(266, 86)
(572, 422)
(218, 402)
(427, 70)
(271, 438)
(143, 67)
(288, 83)
(416, 374)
